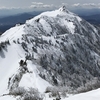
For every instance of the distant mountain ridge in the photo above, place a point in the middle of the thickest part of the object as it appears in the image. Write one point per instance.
(10, 21)
(93, 19)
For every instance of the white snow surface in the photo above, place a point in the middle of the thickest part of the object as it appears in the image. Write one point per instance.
(33, 80)
(13, 33)
(92, 95)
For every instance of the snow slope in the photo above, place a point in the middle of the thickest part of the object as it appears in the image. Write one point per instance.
(9, 67)
(92, 95)
(62, 49)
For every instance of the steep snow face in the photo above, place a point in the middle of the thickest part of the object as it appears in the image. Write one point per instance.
(61, 50)
(13, 33)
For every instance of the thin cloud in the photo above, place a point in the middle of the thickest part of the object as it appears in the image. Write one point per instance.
(66, 4)
(37, 3)
(41, 5)
(77, 4)
(9, 8)
(90, 4)
(86, 5)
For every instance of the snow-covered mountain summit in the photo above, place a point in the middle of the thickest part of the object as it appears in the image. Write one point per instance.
(64, 9)
(56, 48)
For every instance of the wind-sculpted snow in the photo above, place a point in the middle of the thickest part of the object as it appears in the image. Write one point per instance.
(62, 50)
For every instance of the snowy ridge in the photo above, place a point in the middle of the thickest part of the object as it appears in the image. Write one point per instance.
(57, 49)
